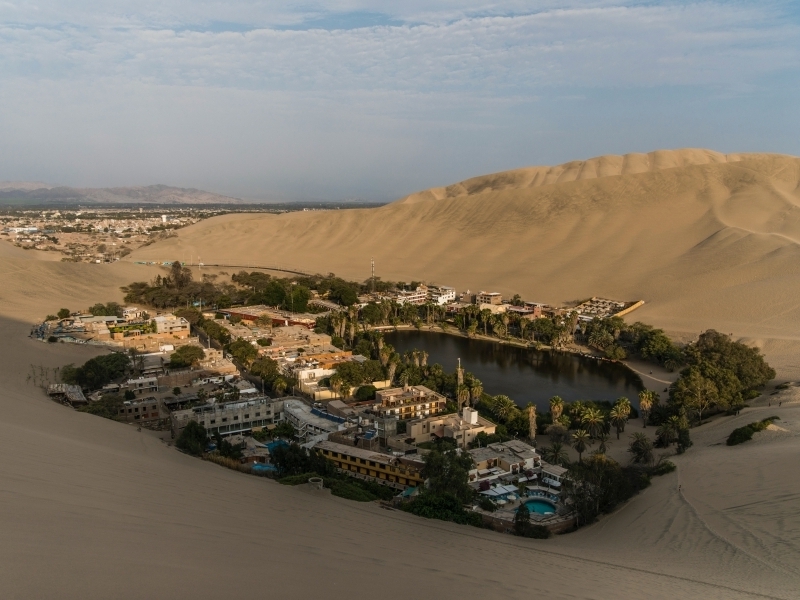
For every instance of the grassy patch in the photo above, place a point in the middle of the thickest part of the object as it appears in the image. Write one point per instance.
(346, 487)
(743, 434)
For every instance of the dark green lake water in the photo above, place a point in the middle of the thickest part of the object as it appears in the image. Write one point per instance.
(524, 375)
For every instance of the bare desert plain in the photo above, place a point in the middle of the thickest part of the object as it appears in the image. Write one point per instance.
(94, 509)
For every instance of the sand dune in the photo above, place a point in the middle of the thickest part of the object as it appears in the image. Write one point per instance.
(707, 240)
(93, 509)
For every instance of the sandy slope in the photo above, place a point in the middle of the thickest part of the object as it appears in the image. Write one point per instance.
(708, 240)
(92, 509)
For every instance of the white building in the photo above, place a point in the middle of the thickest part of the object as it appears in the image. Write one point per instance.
(418, 296)
(230, 418)
(311, 424)
(442, 294)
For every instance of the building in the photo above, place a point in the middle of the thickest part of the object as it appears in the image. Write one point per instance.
(409, 402)
(442, 294)
(508, 458)
(215, 362)
(488, 298)
(418, 296)
(146, 410)
(67, 393)
(311, 424)
(143, 384)
(230, 418)
(172, 325)
(463, 427)
(295, 338)
(386, 469)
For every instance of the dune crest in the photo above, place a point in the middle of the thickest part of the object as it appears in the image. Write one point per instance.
(609, 165)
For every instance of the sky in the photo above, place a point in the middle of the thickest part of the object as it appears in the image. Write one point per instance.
(365, 100)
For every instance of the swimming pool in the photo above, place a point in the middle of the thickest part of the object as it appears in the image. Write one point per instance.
(541, 507)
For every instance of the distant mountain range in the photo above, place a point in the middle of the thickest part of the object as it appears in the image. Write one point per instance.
(26, 192)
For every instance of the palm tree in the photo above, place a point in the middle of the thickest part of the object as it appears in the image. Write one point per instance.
(385, 353)
(335, 382)
(485, 316)
(641, 449)
(645, 404)
(391, 367)
(626, 405)
(604, 443)
(618, 418)
(279, 385)
(503, 406)
(555, 454)
(523, 323)
(593, 420)
(556, 407)
(462, 394)
(404, 377)
(576, 410)
(668, 431)
(580, 441)
(475, 391)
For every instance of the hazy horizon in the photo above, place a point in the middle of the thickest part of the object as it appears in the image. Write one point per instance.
(358, 100)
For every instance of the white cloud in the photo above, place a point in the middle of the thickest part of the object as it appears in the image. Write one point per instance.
(459, 72)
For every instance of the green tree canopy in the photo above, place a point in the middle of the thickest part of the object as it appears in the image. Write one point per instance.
(185, 356)
(193, 439)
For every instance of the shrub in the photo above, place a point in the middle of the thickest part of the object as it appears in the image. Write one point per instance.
(663, 467)
(297, 479)
(107, 407)
(63, 313)
(350, 491)
(538, 532)
(365, 392)
(444, 507)
(744, 434)
(193, 439)
(185, 356)
(487, 504)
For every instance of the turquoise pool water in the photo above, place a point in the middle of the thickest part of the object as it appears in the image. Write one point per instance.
(540, 506)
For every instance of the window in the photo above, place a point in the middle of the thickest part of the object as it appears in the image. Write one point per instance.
(247, 416)
(224, 419)
(154, 408)
(236, 418)
(136, 416)
(136, 409)
(213, 421)
(258, 414)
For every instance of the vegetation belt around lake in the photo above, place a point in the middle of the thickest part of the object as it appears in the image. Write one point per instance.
(717, 375)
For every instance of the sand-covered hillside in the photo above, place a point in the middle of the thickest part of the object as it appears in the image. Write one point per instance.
(707, 240)
(91, 508)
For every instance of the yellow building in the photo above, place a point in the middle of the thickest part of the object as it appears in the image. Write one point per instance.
(409, 402)
(396, 472)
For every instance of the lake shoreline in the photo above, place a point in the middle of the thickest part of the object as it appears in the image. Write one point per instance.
(570, 372)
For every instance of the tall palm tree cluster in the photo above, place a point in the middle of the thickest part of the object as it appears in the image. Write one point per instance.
(581, 425)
